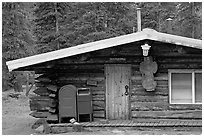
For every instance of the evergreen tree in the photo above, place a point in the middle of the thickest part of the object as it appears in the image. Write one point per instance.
(154, 14)
(17, 38)
(49, 25)
(99, 20)
(188, 19)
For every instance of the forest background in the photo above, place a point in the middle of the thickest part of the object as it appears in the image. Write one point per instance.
(30, 28)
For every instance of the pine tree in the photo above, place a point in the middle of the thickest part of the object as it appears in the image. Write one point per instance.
(17, 38)
(49, 25)
(98, 20)
(188, 21)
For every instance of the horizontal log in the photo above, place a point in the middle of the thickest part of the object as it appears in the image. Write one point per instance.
(39, 107)
(123, 52)
(98, 89)
(52, 110)
(43, 79)
(140, 88)
(190, 114)
(62, 83)
(99, 103)
(52, 95)
(157, 106)
(161, 76)
(43, 70)
(98, 98)
(91, 82)
(39, 114)
(185, 107)
(149, 106)
(78, 84)
(162, 70)
(162, 83)
(42, 91)
(52, 117)
(67, 70)
(91, 69)
(98, 114)
(99, 61)
(52, 88)
(78, 65)
(41, 103)
(171, 55)
(81, 74)
(98, 108)
(42, 98)
(99, 119)
(101, 82)
(39, 84)
(95, 92)
(156, 78)
(179, 60)
(47, 115)
(164, 91)
(78, 78)
(182, 66)
(146, 98)
(159, 82)
(73, 82)
(37, 71)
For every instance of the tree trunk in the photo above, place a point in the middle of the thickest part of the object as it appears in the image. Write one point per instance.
(57, 25)
(193, 14)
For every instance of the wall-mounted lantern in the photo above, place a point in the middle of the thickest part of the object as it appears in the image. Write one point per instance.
(145, 49)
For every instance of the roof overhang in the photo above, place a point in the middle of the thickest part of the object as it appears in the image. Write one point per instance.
(102, 44)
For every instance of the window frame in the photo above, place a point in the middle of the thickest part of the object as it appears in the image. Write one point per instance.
(192, 72)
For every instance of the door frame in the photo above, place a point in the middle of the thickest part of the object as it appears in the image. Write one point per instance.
(130, 87)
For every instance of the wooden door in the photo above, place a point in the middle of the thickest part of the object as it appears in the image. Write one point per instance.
(117, 83)
(67, 102)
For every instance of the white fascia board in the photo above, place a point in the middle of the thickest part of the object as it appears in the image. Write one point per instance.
(178, 40)
(83, 48)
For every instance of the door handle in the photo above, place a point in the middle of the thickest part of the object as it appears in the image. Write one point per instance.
(126, 90)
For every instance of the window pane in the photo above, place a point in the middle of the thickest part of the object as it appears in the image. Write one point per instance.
(198, 87)
(181, 88)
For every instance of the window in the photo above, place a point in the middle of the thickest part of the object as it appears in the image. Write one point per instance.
(185, 87)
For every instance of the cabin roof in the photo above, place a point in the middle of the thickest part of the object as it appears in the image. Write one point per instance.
(147, 33)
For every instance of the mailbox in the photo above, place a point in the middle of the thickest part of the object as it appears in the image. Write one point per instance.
(84, 104)
(67, 103)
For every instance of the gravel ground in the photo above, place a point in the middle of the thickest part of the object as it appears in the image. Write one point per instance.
(16, 121)
(15, 115)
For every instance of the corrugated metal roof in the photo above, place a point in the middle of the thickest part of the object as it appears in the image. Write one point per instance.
(106, 43)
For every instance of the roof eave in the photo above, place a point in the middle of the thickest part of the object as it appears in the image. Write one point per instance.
(103, 44)
(178, 40)
(76, 50)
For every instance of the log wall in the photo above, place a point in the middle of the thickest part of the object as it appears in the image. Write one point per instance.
(94, 81)
(45, 103)
(155, 105)
(87, 71)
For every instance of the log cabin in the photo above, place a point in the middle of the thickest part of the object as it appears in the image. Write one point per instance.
(143, 75)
